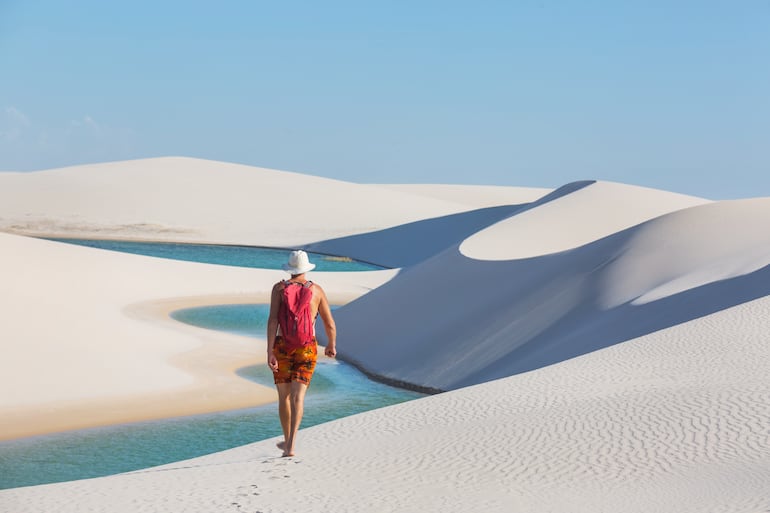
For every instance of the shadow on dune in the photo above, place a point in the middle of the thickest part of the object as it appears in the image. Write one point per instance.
(451, 321)
(411, 243)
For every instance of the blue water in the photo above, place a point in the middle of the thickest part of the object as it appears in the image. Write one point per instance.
(239, 256)
(337, 390)
(249, 320)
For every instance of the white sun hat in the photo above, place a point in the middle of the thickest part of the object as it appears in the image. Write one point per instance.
(298, 263)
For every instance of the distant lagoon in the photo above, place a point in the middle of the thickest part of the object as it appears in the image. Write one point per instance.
(238, 256)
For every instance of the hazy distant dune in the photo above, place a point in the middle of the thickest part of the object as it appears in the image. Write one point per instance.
(185, 199)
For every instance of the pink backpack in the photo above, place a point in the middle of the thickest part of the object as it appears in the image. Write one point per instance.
(294, 314)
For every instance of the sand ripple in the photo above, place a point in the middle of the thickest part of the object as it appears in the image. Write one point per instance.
(673, 421)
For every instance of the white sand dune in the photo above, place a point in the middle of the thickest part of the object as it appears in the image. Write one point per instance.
(605, 345)
(675, 421)
(195, 200)
(517, 315)
(572, 216)
(569, 217)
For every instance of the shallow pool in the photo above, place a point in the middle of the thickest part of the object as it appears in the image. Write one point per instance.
(337, 390)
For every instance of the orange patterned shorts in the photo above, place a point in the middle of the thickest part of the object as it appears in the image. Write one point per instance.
(294, 364)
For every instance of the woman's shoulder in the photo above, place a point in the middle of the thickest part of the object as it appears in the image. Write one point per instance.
(317, 289)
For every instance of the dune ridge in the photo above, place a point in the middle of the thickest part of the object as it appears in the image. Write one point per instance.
(584, 212)
(522, 314)
(194, 200)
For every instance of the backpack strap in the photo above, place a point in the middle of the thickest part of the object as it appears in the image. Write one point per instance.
(306, 285)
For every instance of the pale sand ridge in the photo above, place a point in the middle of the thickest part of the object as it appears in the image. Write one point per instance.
(512, 316)
(582, 216)
(411, 243)
(196, 200)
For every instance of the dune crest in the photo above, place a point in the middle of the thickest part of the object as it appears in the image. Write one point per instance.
(194, 200)
(512, 316)
(688, 249)
(581, 214)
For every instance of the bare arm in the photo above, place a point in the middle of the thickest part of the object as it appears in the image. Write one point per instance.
(325, 311)
(272, 325)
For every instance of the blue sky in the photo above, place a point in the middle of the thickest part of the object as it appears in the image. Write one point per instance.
(666, 94)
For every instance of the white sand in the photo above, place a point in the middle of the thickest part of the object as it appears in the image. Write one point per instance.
(585, 215)
(474, 196)
(517, 315)
(646, 346)
(79, 350)
(676, 421)
(197, 200)
(86, 338)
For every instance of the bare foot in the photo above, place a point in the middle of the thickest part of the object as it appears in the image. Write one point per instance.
(287, 454)
(281, 445)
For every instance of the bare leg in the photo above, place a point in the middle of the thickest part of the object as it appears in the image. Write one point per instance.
(297, 408)
(284, 411)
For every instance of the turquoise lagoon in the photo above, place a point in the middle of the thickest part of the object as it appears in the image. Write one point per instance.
(337, 390)
(239, 256)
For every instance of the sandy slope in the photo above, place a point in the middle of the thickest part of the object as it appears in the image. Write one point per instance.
(197, 200)
(86, 338)
(572, 216)
(627, 327)
(105, 351)
(675, 421)
(453, 321)
(566, 218)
